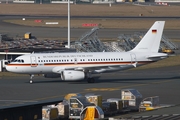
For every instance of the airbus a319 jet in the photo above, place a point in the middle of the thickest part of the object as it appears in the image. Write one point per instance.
(78, 66)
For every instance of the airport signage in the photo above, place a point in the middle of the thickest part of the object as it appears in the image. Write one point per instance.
(52, 23)
(89, 24)
(38, 21)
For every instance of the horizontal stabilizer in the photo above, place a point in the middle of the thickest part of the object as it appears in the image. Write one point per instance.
(157, 55)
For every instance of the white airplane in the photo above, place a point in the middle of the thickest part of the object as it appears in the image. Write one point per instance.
(79, 66)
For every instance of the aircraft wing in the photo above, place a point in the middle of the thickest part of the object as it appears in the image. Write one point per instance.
(83, 68)
(96, 69)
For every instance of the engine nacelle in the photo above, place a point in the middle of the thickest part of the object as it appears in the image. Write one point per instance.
(52, 75)
(72, 75)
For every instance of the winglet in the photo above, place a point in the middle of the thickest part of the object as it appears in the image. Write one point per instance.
(151, 41)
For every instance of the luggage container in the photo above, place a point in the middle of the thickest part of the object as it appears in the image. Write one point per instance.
(76, 105)
(96, 99)
(125, 104)
(149, 103)
(118, 101)
(133, 97)
(27, 35)
(63, 109)
(90, 112)
(49, 113)
(109, 108)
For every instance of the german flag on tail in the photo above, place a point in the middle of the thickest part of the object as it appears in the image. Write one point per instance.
(154, 31)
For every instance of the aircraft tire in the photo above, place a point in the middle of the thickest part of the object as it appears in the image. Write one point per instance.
(31, 81)
(91, 80)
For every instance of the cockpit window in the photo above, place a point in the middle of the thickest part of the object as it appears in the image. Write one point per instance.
(19, 60)
(15, 61)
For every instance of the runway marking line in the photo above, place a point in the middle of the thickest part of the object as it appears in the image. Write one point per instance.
(48, 97)
(113, 89)
(118, 88)
(54, 96)
(102, 89)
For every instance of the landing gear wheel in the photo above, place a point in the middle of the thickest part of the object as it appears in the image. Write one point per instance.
(31, 77)
(91, 80)
(31, 81)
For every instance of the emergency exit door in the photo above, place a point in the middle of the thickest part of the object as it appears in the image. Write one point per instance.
(133, 58)
(33, 61)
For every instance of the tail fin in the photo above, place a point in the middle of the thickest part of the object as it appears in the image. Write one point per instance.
(151, 41)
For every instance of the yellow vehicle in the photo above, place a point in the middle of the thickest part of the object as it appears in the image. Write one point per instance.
(169, 51)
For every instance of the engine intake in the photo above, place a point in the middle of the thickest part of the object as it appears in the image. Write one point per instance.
(72, 75)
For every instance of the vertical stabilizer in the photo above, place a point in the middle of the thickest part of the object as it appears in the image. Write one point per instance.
(151, 41)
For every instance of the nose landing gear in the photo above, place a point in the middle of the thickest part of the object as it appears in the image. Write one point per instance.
(31, 79)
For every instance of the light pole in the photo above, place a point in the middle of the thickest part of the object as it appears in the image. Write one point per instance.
(68, 24)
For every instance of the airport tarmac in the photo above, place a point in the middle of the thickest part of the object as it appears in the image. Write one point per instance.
(162, 82)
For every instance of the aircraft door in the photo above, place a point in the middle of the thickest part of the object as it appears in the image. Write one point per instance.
(133, 58)
(33, 61)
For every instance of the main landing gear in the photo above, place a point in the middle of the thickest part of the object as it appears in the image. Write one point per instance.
(90, 80)
(31, 77)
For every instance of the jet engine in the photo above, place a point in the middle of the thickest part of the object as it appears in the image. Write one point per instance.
(52, 75)
(72, 75)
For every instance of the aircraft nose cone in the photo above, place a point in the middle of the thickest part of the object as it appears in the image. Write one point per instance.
(14, 68)
(7, 68)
